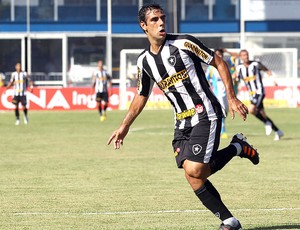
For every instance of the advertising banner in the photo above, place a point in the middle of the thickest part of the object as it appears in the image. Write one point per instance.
(84, 98)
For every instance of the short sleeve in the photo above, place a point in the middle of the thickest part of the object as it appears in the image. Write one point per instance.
(196, 48)
(12, 79)
(145, 83)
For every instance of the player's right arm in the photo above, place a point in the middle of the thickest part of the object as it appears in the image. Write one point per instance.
(136, 107)
(11, 82)
(93, 83)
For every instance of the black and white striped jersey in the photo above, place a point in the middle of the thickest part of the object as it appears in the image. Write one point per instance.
(251, 75)
(20, 81)
(101, 81)
(177, 71)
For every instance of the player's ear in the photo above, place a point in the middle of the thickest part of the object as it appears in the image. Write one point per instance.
(143, 25)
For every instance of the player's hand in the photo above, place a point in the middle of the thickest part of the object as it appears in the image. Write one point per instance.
(235, 105)
(118, 136)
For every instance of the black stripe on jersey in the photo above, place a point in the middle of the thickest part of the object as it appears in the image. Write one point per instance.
(146, 83)
(164, 74)
(256, 74)
(248, 85)
(260, 80)
(206, 88)
(187, 83)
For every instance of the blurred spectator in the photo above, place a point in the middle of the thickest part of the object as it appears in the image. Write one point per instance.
(2, 79)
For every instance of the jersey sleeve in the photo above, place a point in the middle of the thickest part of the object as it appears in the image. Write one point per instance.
(145, 83)
(12, 79)
(196, 48)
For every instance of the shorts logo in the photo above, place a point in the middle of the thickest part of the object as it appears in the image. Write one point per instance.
(196, 149)
(177, 151)
(172, 60)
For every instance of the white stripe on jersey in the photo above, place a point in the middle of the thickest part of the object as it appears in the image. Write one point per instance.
(252, 77)
(101, 81)
(19, 81)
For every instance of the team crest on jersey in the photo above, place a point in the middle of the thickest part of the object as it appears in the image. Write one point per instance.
(196, 149)
(172, 60)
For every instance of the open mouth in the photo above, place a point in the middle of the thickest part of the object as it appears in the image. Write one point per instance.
(162, 31)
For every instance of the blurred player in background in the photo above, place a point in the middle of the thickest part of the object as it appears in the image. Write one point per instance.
(232, 62)
(101, 85)
(20, 80)
(250, 72)
(219, 90)
(2, 79)
(173, 62)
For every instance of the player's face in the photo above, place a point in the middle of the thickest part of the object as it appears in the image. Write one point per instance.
(155, 26)
(18, 67)
(100, 64)
(244, 56)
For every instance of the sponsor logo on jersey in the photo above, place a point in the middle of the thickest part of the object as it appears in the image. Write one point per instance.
(199, 108)
(196, 149)
(196, 50)
(185, 114)
(250, 78)
(172, 80)
(172, 60)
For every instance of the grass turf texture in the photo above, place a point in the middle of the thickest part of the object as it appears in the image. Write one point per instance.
(58, 173)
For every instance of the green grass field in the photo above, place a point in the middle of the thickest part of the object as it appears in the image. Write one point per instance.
(58, 173)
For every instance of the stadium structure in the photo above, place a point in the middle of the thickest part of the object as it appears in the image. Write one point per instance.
(59, 42)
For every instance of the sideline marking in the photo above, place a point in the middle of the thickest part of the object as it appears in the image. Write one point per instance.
(146, 212)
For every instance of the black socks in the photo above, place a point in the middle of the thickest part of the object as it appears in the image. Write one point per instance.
(220, 158)
(211, 199)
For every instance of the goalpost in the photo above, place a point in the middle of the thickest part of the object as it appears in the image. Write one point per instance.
(128, 71)
(281, 61)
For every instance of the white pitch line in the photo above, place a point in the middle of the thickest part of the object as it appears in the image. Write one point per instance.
(148, 212)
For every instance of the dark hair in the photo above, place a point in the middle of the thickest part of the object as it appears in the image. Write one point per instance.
(143, 11)
(220, 50)
(244, 50)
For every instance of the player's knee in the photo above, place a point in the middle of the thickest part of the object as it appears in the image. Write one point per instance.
(197, 172)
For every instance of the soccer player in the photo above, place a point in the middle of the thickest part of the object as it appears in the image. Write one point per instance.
(101, 85)
(250, 72)
(173, 62)
(2, 79)
(20, 80)
(218, 88)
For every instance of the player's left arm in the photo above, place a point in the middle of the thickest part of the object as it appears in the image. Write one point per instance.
(109, 83)
(11, 82)
(235, 104)
(262, 67)
(30, 82)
